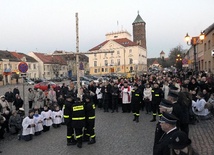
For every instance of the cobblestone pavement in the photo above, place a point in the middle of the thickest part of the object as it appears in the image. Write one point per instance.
(116, 134)
(202, 136)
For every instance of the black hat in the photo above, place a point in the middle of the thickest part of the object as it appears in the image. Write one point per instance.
(166, 103)
(179, 140)
(168, 118)
(135, 85)
(125, 82)
(172, 87)
(173, 94)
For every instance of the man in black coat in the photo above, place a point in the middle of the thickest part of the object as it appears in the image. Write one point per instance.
(106, 90)
(9, 96)
(168, 125)
(115, 97)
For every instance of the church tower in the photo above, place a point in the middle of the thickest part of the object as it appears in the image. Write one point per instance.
(139, 31)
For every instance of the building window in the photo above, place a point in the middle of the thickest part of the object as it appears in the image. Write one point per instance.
(112, 54)
(205, 64)
(106, 62)
(95, 55)
(118, 61)
(95, 63)
(48, 73)
(139, 42)
(34, 66)
(130, 51)
(29, 66)
(112, 61)
(95, 70)
(118, 69)
(5, 66)
(130, 61)
(118, 52)
(208, 44)
(205, 47)
(98, 69)
(106, 69)
(105, 54)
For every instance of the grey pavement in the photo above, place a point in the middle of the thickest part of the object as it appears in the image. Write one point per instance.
(116, 134)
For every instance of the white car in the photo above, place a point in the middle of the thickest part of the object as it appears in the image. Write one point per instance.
(29, 82)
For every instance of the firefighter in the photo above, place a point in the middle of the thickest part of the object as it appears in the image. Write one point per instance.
(136, 102)
(78, 120)
(90, 120)
(68, 120)
(157, 95)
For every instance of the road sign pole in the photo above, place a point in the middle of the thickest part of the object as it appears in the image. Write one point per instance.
(23, 67)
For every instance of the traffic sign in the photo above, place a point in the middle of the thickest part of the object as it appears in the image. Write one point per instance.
(23, 67)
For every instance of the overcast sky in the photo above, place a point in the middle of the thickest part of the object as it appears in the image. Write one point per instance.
(49, 25)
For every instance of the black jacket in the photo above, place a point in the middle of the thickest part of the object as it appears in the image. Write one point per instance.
(115, 92)
(90, 113)
(157, 95)
(106, 90)
(161, 148)
(136, 96)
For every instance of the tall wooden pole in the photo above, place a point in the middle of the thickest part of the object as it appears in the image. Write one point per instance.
(77, 55)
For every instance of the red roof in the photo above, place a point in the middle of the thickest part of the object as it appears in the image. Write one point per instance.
(51, 59)
(17, 55)
(155, 62)
(162, 52)
(122, 41)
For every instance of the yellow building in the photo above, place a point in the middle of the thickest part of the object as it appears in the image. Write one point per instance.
(128, 56)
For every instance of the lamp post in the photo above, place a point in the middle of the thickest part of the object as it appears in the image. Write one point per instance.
(179, 62)
(193, 42)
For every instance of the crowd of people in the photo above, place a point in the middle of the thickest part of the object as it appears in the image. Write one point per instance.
(176, 100)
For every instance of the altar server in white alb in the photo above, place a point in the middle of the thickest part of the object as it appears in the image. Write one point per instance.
(38, 122)
(47, 120)
(126, 97)
(28, 126)
(57, 117)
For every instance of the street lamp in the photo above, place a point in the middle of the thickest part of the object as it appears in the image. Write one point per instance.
(179, 61)
(193, 42)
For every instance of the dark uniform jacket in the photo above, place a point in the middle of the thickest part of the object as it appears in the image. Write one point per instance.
(177, 112)
(136, 96)
(157, 95)
(78, 115)
(90, 112)
(161, 148)
(68, 112)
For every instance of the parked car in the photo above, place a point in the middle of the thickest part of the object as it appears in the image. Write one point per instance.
(57, 79)
(44, 85)
(83, 78)
(39, 80)
(85, 83)
(29, 82)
